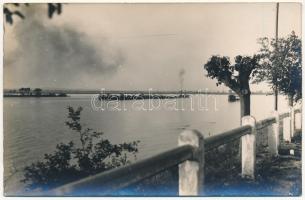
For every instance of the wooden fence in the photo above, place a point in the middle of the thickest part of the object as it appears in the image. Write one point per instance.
(189, 155)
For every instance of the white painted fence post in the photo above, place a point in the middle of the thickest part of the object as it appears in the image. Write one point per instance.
(286, 129)
(191, 173)
(292, 121)
(273, 135)
(298, 121)
(248, 149)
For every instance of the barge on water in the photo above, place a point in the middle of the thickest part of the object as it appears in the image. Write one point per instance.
(114, 97)
(233, 97)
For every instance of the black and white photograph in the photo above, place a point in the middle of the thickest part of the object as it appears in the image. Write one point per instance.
(143, 99)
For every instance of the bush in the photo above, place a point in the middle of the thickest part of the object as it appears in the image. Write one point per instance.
(70, 162)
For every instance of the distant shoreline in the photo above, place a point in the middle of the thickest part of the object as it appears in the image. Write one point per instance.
(12, 95)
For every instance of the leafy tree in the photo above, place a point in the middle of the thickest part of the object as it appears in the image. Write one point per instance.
(11, 9)
(70, 161)
(236, 76)
(24, 91)
(37, 91)
(281, 65)
(9, 14)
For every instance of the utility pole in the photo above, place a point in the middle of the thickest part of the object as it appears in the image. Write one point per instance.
(276, 50)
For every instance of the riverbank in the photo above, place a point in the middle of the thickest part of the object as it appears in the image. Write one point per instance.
(43, 95)
(276, 176)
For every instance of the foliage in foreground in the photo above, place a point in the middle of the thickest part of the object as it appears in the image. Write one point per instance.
(70, 161)
(10, 10)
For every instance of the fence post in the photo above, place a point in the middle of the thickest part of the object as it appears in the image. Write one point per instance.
(273, 135)
(292, 121)
(298, 120)
(191, 172)
(286, 129)
(248, 149)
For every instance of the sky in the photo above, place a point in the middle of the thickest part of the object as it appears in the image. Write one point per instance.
(136, 46)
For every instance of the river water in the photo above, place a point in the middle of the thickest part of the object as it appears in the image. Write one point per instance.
(33, 126)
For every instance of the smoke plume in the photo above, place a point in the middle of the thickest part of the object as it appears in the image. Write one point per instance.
(58, 56)
(181, 78)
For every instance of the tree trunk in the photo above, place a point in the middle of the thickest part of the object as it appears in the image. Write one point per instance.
(245, 105)
(290, 101)
(244, 111)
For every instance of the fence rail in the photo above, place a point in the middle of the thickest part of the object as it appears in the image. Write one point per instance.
(264, 123)
(225, 137)
(284, 115)
(189, 155)
(123, 176)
